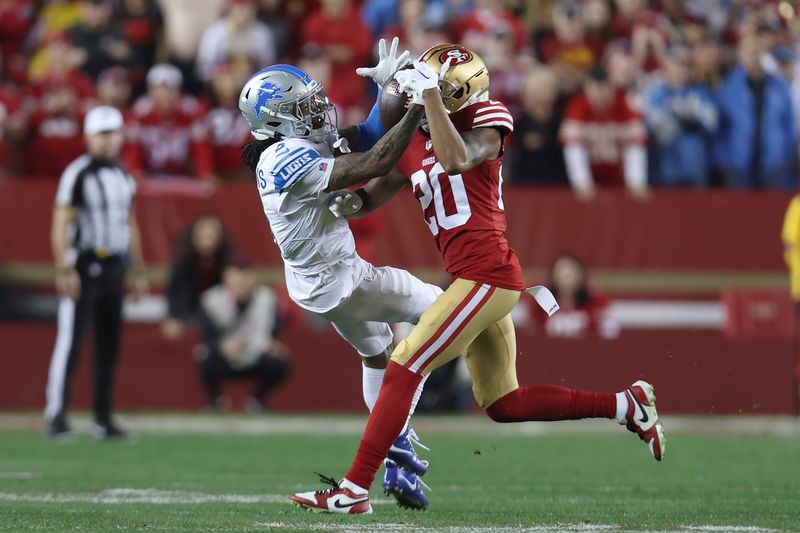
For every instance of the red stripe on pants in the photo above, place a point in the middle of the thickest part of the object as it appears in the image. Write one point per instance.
(444, 325)
(459, 329)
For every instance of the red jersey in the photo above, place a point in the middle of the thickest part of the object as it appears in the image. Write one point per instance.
(604, 134)
(54, 141)
(229, 131)
(477, 26)
(173, 143)
(347, 31)
(465, 211)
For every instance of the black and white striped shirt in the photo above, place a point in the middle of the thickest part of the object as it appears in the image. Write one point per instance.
(103, 195)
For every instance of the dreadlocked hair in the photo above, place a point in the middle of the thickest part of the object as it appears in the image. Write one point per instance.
(251, 151)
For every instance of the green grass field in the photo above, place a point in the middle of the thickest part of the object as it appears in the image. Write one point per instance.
(483, 480)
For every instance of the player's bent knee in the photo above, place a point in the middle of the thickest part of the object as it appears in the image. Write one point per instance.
(402, 353)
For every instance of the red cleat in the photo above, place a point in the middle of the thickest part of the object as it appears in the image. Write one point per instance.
(333, 500)
(643, 418)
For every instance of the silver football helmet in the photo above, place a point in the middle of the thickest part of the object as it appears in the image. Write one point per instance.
(283, 101)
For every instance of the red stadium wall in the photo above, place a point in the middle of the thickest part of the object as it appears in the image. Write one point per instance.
(675, 230)
(696, 371)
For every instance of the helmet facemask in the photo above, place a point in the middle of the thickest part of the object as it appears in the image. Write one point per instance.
(315, 117)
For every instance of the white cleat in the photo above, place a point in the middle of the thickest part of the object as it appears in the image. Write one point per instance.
(333, 500)
(642, 418)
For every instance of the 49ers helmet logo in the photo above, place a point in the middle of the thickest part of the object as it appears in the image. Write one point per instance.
(456, 56)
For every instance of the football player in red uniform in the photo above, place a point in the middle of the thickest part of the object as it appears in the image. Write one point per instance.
(453, 166)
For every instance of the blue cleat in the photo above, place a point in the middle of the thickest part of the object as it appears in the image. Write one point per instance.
(403, 453)
(405, 486)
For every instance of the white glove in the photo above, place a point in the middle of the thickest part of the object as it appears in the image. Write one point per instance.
(421, 78)
(388, 63)
(344, 203)
(341, 146)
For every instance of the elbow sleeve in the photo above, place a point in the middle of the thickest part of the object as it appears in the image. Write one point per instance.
(635, 161)
(578, 169)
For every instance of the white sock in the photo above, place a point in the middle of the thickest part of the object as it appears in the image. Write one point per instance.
(414, 401)
(622, 408)
(346, 484)
(371, 379)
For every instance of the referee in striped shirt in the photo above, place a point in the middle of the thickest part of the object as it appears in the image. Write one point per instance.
(94, 237)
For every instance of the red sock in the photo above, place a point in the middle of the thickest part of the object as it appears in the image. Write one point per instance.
(385, 422)
(551, 402)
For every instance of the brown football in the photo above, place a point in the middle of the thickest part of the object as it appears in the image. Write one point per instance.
(392, 105)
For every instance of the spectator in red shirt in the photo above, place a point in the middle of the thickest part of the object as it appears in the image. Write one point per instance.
(59, 65)
(167, 132)
(54, 131)
(475, 27)
(584, 308)
(114, 89)
(16, 20)
(347, 41)
(319, 66)
(604, 139)
(59, 96)
(227, 127)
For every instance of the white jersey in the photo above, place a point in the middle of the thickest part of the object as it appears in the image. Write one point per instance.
(318, 249)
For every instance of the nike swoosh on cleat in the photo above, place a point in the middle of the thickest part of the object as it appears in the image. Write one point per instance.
(644, 418)
(410, 486)
(346, 505)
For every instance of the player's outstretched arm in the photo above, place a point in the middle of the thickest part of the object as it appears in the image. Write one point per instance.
(353, 168)
(458, 152)
(379, 191)
(362, 137)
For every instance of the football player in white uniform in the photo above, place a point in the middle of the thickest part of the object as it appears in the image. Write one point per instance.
(303, 192)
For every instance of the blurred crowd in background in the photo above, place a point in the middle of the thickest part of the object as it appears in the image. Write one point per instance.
(636, 93)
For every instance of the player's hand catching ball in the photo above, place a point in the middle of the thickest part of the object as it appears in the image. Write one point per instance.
(388, 63)
(420, 79)
(344, 203)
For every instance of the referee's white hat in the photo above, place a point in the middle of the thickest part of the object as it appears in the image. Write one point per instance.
(103, 118)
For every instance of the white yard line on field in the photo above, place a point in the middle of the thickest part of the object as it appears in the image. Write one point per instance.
(355, 527)
(121, 496)
(731, 529)
(150, 496)
(19, 475)
(411, 528)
